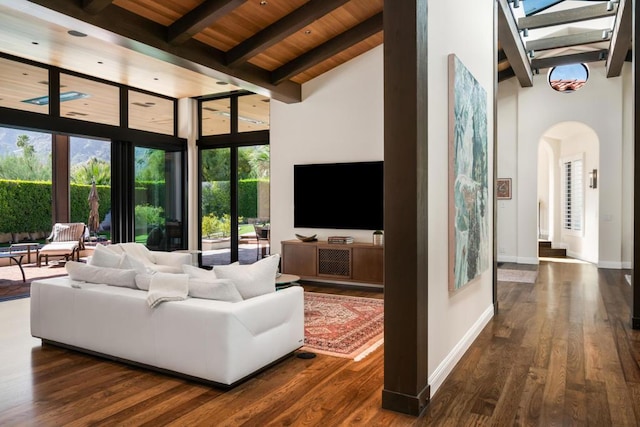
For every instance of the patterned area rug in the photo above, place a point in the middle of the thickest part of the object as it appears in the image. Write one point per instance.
(520, 276)
(342, 326)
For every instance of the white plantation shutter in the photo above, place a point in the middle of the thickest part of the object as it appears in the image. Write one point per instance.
(573, 194)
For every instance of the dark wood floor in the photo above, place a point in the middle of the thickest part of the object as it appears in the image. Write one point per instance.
(559, 353)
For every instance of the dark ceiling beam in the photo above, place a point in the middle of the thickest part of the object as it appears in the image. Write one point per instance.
(565, 16)
(279, 30)
(506, 74)
(512, 44)
(95, 6)
(200, 18)
(621, 39)
(326, 50)
(586, 37)
(577, 58)
(141, 35)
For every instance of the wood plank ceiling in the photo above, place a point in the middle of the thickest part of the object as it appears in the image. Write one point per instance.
(569, 32)
(271, 46)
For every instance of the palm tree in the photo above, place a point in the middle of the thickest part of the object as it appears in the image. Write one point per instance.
(94, 169)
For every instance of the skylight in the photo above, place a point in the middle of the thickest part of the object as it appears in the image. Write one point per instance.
(64, 96)
(531, 7)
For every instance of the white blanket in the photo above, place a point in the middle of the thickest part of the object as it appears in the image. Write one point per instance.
(167, 287)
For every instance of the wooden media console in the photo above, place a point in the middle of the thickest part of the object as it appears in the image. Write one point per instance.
(319, 260)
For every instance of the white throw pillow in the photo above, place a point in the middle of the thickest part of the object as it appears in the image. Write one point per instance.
(218, 289)
(130, 263)
(139, 251)
(199, 273)
(143, 281)
(108, 276)
(103, 257)
(254, 279)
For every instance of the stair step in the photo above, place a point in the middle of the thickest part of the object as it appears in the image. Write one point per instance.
(552, 252)
(544, 244)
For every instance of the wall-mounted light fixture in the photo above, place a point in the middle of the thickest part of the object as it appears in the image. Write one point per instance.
(593, 179)
(525, 32)
(516, 4)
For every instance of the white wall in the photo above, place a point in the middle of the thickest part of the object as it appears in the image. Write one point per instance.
(339, 120)
(599, 105)
(583, 245)
(454, 319)
(627, 166)
(507, 168)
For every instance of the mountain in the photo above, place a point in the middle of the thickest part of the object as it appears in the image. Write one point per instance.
(82, 149)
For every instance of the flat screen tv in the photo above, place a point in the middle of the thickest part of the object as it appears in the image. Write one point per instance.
(339, 195)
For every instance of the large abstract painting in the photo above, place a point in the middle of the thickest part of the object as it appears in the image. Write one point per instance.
(469, 237)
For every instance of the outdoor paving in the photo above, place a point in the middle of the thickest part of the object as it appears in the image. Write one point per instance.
(247, 255)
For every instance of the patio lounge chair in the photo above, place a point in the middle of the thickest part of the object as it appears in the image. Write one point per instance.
(66, 240)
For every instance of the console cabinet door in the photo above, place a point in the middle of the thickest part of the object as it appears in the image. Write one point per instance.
(368, 265)
(299, 259)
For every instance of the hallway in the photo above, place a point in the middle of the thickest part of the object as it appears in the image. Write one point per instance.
(560, 352)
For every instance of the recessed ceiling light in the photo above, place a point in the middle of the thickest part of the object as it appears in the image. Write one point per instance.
(264, 3)
(36, 43)
(307, 32)
(100, 62)
(75, 33)
(155, 78)
(222, 83)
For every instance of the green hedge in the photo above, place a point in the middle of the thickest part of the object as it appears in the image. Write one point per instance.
(216, 200)
(25, 206)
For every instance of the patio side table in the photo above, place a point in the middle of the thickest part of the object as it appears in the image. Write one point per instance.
(21, 247)
(17, 258)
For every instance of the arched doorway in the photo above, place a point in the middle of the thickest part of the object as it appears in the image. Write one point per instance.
(568, 197)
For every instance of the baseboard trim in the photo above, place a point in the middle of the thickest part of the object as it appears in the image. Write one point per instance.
(446, 366)
(525, 260)
(507, 258)
(626, 265)
(615, 265)
(404, 403)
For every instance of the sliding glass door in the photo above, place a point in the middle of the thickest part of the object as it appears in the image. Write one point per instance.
(235, 204)
(216, 206)
(158, 198)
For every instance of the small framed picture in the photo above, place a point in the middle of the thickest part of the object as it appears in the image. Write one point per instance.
(503, 188)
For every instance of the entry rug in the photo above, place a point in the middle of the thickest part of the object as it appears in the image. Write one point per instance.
(342, 326)
(520, 276)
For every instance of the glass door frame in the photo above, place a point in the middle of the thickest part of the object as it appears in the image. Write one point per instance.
(123, 184)
(232, 140)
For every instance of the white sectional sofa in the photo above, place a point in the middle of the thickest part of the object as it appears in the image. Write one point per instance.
(214, 341)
